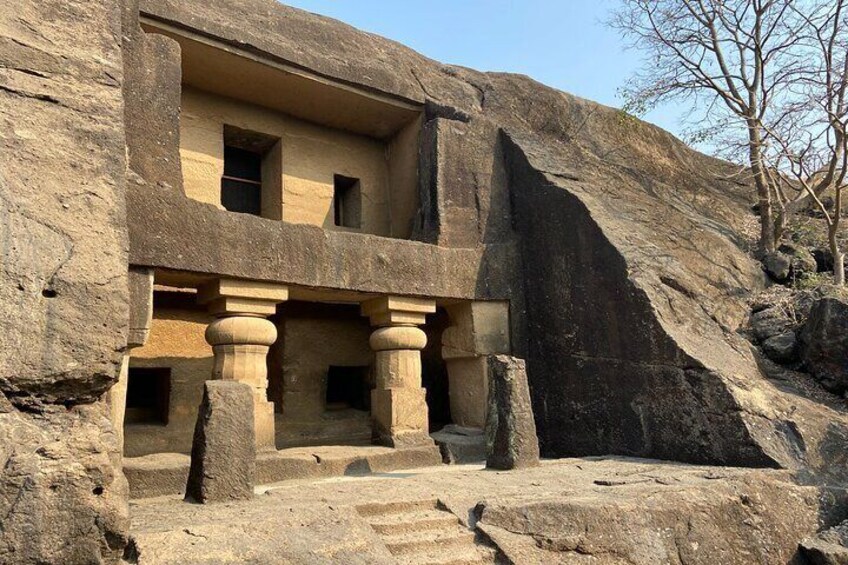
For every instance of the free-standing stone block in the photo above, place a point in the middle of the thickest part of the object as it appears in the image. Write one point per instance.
(510, 427)
(223, 456)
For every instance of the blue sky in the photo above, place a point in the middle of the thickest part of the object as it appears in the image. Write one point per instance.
(562, 43)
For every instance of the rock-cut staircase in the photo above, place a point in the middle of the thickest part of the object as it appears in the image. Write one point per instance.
(423, 532)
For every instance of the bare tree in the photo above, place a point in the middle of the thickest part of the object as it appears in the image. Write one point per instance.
(766, 80)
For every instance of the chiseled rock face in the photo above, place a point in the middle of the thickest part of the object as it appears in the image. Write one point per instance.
(510, 429)
(63, 286)
(825, 343)
(223, 455)
(63, 280)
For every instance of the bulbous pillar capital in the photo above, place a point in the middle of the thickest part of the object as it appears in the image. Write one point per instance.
(241, 330)
(398, 337)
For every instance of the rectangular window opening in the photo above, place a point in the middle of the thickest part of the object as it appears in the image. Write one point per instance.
(251, 180)
(347, 387)
(148, 395)
(347, 202)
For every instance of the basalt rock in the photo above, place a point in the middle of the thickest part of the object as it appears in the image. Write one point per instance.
(802, 260)
(824, 341)
(63, 280)
(782, 348)
(778, 266)
(615, 245)
(223, 455)
(510, 429)
(829, 547)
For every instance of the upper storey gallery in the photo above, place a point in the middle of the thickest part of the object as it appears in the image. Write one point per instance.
(268, 139)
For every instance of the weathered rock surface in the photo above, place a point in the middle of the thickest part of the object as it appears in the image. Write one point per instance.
(778, 266)
(605, 511)
(63, 280)
(782, 348)
(510, 427)
(63, 283)
(829, 547)
(614, 243)
(825, 343)
(802, 260)
(223, 455)
(460, 445)
(639, 522)
(770, 322)
(790, 260)
(63, 498)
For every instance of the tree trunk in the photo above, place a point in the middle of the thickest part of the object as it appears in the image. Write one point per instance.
(838, 257)
(767, 232)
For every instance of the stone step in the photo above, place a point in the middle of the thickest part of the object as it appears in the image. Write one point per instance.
(398, 507)
(424, 540)
(420, 520)
(465, 555)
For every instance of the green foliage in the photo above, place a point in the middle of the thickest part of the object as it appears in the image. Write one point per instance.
(812, 281)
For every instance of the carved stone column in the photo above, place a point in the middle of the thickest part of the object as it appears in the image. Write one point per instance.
(398, 401)
(240, 338)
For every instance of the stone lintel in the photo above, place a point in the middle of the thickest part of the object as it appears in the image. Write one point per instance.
(389, 310)
(235, 296)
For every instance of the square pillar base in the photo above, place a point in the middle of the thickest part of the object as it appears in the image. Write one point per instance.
(400, 412)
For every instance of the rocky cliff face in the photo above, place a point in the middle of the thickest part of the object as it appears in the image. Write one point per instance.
(616, 245)
(63, 288)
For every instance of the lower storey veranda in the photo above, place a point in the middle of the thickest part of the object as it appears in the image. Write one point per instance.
(385, 370)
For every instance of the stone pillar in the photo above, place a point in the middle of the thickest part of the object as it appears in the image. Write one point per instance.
(477, 330)
(398, 401)
(240, 338)
(140, 281)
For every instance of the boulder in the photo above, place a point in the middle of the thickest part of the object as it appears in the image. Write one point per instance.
(802, 261)
(781, 348)
(510, 428)
(829, 547)
(824, 343)
(769, 323)
(223, 455)
(824, 259)
(778, 266)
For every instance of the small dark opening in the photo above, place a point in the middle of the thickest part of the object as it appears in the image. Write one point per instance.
(241, 185)
(148, 395)
(347, 387)
(347, 202)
